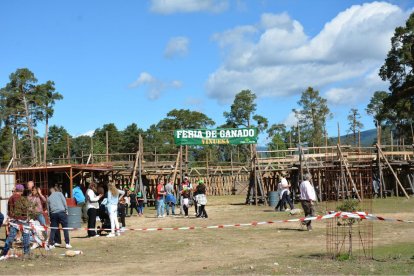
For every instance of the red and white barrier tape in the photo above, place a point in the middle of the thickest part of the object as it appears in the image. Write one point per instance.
(330, 215)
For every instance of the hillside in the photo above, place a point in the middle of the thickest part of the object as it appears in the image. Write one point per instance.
(368, 138)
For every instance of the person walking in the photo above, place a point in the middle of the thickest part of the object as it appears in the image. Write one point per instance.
(307, 197)
(92, 205)
(160, 199)
(112, 205)
(58, 213)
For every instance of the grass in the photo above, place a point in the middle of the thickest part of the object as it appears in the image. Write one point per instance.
(266, 249)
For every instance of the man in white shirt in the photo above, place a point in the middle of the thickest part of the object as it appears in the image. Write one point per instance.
(307, 197)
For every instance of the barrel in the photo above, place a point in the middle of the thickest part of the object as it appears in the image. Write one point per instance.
(273, 198)
(74, 217)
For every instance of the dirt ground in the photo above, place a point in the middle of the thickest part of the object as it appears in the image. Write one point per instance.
(265, 249)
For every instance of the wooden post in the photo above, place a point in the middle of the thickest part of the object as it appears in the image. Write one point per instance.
(255, 175)
(342, 178)
(40, 150)
(68, 144)
(349, 173)
(207, 170)
(339, 135)
(412, 132)
(393, 172)
(134, 170)
(91, 150)
(107, 146)
(231, 164)
(70, 181)
(380, 178)
(186, 159)
(300, 155)
(181, 165)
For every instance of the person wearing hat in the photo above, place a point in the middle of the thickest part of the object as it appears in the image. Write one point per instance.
(18, 217)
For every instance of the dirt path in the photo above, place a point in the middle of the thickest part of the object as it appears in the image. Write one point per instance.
(255, 249)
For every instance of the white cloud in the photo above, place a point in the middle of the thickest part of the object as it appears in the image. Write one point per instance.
(177, 46)
(88, 133)
(154, 87)
(187, 6)
(290, 120)
(358, 91)
(275, 57)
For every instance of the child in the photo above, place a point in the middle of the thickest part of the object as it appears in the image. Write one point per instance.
(133, 200)
(201, 200)
(140, 198)
(185, 193)
(122, 209)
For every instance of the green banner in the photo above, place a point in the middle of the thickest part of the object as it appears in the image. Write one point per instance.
(220, 136)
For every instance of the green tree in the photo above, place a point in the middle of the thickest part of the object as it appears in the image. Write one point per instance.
(22, 103)
(48, 97)
(242, 112)
(130, 138)
(375, 108)
(279, 137)
(81, 145)
(161, 135)
(57, 140)
(114, 137)
(6, 144)
(312, 116)
(398, 69)
(354, 123)
(183, 119)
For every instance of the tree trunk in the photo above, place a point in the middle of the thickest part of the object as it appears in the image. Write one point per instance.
(30, 127)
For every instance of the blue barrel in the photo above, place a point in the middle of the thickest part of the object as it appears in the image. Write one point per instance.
(273, 198)
(75, 217)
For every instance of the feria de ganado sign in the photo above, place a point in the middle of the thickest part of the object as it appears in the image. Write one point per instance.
(220, 136)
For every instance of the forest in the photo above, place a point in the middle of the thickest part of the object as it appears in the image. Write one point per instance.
(25, 103)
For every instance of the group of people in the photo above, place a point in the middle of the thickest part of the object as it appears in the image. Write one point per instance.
(187, 195)
(307, 197)
(26, 208)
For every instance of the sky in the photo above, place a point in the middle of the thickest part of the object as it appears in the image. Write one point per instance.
(133, 61)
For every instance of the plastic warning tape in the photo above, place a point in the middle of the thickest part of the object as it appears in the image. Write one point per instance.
(330, 215)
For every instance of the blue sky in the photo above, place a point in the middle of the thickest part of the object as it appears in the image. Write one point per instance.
(133, 61)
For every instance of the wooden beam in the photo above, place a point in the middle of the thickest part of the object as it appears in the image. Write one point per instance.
(348, 172)
(393, 172)
(70, 182)
(177, 162)
(134, 170)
